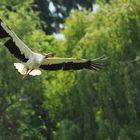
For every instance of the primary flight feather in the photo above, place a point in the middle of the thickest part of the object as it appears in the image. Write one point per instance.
(33, 62)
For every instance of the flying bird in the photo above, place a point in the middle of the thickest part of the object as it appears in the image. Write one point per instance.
(33, 62)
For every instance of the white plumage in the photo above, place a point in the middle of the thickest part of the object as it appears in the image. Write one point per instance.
(22, 69)
(32, 61)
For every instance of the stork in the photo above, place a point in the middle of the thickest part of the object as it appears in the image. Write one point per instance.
(32, 62)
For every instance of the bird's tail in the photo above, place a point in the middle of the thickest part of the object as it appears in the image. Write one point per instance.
(3, 32)
(22, 69)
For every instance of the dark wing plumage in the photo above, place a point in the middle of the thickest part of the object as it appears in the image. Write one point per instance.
(3, 34)
(10, 44)
(13, 43)
(23, 53)
(92, 65)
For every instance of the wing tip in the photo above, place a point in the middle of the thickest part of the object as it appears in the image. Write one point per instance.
(3, 32)
(98, 63)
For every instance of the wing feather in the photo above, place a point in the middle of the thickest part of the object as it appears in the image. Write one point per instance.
(19, 45)
(71, 64)
(15, 50)
(62, 60)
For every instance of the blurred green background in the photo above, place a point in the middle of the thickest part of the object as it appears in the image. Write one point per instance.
(74, 105)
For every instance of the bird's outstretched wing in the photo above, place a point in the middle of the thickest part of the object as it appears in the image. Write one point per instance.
(72, 64)
(14, 44)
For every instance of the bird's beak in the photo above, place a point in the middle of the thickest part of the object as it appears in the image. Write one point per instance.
(49, 55)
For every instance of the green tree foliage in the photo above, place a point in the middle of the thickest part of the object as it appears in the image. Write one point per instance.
(104, 105)
(21, 113)
(83, 105)
(67, 131)
(54, 12)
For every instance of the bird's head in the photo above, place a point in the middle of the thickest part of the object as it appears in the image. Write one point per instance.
(47, 55)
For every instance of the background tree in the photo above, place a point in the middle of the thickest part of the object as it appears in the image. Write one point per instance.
(103, 105)
(81, 105)
(54, 12)
(21, 113)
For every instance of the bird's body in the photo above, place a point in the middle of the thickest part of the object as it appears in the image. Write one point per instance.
(32, 61)
(31, 67)
(35, 60)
